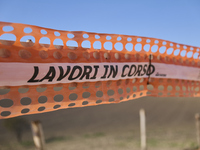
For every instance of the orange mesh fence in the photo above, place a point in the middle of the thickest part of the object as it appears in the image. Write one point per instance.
(44, 70)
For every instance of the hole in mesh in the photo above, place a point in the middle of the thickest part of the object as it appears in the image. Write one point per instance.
(41, 108)
(25, 110)
(58, 98)
(108, 83)
(154, 48)
(58, 43)
(86, 55)
(121, 98)
(41, 89)
(108, 45)
(97, 45)
(5, 53)
(42, 99)
(150, 87)
(183, 53)
(106, 55)
(177, 88)
(98, 84)
(156, 41)
(111, 100)
(176, 52)
(97, 36)
(162, 49)
(128, 90)
(134, 95)
(120, 91)
(86, 44)
(57, 88)
(73, 96)
(169, 51)
(86, 85)
(98, 101)
(85, 36)
(56, 106)
(6, 103)
(108, 37)
(160, 87)
(56, 33)
(160, 93)
(86, 95)
(129, 39)
(99, 93)
(134, 80)
(128, 97)
(25, 101)
(196, 89)
(10, 39)
(27, 30)
(141, 94)
(141, 80)
(118, 46)
(138, 47)
(43, 54)
(57, 55)
(183, 88)
(43, 31)
(169, 88)
(139, 39)
(72, 104)
(71, 55)
(195, 56)
(189, 54)
(72, 86)
(110, 92)
(45, 42)
(127, 56)
(23, 89)
(117, 56)
(119, 39)
(96, 55)
(5, 113)
(70, 36)
(148, 40)
(119, 82)
(141, 87)
(25, 54)
(4, 91)
(146, 47)
(72, 44)
(27, 41)
(134, 88)
(129, 46)
(8, 28)
(148, 93)
(84, 102)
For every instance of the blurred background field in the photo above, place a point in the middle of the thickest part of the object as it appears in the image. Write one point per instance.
(170, 125)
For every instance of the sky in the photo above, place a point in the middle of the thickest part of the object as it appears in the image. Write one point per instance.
(173, 20)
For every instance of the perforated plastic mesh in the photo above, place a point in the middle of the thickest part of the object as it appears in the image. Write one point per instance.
(50, 46)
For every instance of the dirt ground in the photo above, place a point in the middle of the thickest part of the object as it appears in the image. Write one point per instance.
(170, 125)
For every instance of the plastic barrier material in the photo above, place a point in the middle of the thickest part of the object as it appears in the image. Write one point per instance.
(44, 69)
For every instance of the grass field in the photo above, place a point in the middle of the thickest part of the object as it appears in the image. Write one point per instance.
(170, 126)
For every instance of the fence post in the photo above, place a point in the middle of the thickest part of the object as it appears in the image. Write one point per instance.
(197, 118)
(143, 129)
(38, 136)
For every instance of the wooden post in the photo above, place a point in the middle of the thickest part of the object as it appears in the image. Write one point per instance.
(197, 118)
(143, 129)
(38, 136)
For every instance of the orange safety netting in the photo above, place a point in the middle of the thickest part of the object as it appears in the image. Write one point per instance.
(55, 46)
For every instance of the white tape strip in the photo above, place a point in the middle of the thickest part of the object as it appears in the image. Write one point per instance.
(14, 74)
